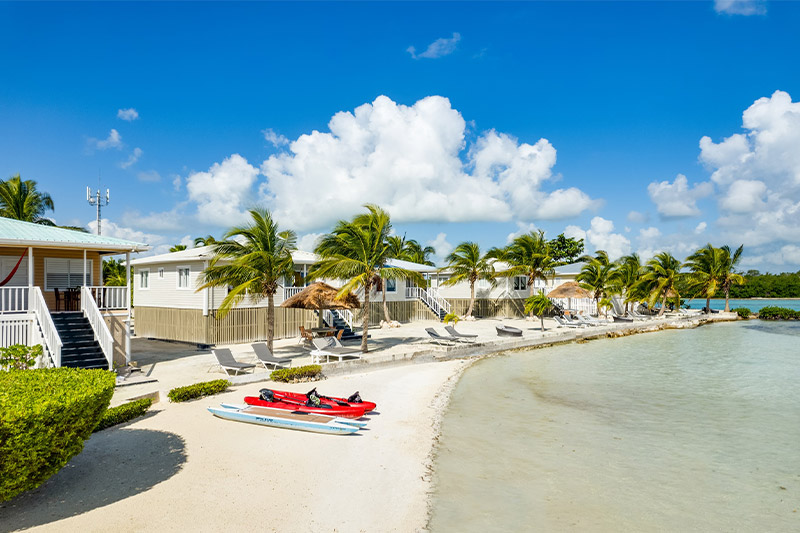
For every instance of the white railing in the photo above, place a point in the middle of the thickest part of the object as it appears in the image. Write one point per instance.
(51, 341)
(344, 314)
(15, 329)
(110, 297)
(430, 298)
(13, 300)
(101, 332)
(288, 292)
(585, 306)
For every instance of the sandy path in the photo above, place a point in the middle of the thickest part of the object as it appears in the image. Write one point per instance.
(181, 469)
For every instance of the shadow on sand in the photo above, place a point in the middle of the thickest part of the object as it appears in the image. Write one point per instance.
(115, 464)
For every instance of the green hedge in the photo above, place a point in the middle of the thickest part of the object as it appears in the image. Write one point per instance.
(743, 312)
(778, 313)
(45, 417)
(19, 356)
(123, 413)
(198, 390)
(295, 374)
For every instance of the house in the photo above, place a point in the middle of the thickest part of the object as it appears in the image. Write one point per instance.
(52, 293)
(168, 304)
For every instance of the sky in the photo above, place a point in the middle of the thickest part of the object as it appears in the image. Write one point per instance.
(638, 126)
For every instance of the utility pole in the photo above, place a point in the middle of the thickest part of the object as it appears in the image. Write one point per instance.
(95, 199)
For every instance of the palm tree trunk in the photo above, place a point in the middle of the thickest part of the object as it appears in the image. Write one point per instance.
(530, 291)
(541, 317)
(365, 320)
(270, 319)
(597, 297)
(727, 305)
(708, 305)
(471, 298)
(663, 305)
(386, 316)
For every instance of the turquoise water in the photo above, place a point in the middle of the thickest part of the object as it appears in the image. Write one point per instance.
(689, 430)
(753, 304)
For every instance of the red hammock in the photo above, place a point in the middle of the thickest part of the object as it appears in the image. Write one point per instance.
(14, 270)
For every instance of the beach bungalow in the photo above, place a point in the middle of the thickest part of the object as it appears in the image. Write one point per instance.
(52, 293)
(169, 306)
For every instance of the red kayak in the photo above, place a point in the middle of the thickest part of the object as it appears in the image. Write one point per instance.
(353, 401)
(292, 405)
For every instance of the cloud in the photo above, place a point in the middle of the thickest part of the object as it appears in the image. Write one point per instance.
(149, 176)
(308, 242)
(111, 229)
(601, 236)
(129, 114)
(176, 182)
(132, 159)
(442, 246)
(522, 229)
(701, 227)
(114, 140)
(165, 221)
(222, 192)
(744, 196)
(676, 199)
(274, 138)
(740, 7)
(414, 161)
(438, 48)
(574, 232)
(637, 217)
(649, 233)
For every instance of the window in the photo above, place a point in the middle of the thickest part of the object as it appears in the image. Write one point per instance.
(144, 279)
(160, 273)
(391, 285)
(520, 283)
(20, 278)
(65, 273)
(483, 284)
(183, 277)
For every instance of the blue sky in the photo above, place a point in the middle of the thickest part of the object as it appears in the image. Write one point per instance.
(584, 117)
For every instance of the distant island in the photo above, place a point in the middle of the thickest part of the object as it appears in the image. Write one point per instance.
(758, 285)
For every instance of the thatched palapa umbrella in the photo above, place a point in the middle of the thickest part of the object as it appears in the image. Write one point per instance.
(569, 290)
(319, 296)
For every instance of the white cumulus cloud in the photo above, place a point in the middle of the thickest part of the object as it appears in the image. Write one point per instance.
(700, 228)
(677, 199)
(308, 242)
(114, 140)
(277, 140)
(601, 235)
(112, 229)
(225, 191)
(129, 114)
(740, 7)
(442, 246)
(132, 159)
(438, 48)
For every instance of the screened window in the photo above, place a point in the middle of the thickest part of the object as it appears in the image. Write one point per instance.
(520, 283)
(64, 274)
(183, 277)
(20, 278)
(391, 285)
(144, 279)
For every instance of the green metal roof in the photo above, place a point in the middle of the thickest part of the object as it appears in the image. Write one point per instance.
(18, 233)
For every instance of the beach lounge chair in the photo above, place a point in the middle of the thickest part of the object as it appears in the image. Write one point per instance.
(564, 323)
(463, 337)
(508, 331)
(580, 319)
(618, 318)
(265, 357)
(226, 361)
(441, 340)
(331, 347)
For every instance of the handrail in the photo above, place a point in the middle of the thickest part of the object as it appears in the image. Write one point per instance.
(52, 341)
(345, 314)
(288, 292)
(101, 332)
(110, 297)
(14, 299)
(430, 298)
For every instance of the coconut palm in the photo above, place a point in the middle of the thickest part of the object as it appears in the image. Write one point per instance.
(114, 273)
(466, 263)
(624, 277)
(204, 241)
(539, 305)
(357, 251)
(253, 259)
(410, 250)
(21, 201)
(177, 248)
(727, 275)
(595, 276)
(659, 280)
(704, 266)
(528, 255)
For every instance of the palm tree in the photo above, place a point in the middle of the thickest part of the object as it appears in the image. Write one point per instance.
(253, 259)
(624, 277)
(595, 276)
(114, 273)
(539, 305)
(704, 266)
(466, 263)
(358, 251)
(416, 253)
(660, 279)
(177, 248)
(204, 241)
(528, 255)
(727, 275)
(21, 201)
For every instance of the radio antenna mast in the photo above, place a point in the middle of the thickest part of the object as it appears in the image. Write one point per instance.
(95, 199)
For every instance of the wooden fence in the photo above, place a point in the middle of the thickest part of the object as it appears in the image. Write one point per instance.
(490, 307)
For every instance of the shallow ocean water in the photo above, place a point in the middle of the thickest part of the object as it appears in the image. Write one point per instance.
(688, 430)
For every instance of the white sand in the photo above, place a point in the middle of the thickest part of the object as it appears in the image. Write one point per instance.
(182, 469)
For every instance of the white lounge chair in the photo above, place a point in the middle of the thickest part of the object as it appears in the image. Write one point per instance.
(226, 361)
(331, 347)
(566, 324)
(265, 357)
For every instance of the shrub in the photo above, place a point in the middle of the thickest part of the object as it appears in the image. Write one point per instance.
(198, 390)
(300, 373)
(123, 413)
(19, 356)
(743, 312)
(45, 417)
(451, 317)
(778, 313)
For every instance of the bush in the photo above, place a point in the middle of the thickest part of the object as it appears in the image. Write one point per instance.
(45, 416)
(778, 313)
(198, 390)
(123, 413)
(300, 373)
(19, 356)
(743, 312)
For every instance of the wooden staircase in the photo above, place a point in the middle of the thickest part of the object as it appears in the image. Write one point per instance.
(80, 349)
